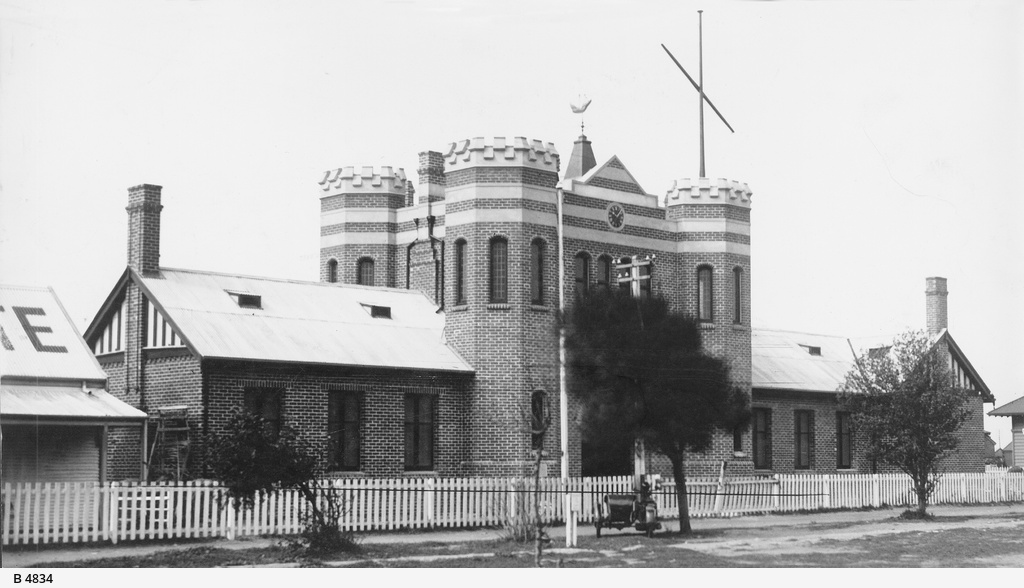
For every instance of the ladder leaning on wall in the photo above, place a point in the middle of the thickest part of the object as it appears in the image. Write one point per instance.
(168, 454)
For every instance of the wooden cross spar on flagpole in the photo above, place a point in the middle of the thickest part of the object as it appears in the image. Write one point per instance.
(699, 87)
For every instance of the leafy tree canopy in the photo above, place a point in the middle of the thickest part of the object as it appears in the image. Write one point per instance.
(907, 407)
(640, 371)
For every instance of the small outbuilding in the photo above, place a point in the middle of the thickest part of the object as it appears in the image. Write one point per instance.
(55, 412)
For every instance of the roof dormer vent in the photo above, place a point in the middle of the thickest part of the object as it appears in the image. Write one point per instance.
(246, 299)
(811, 349)
(378, 311)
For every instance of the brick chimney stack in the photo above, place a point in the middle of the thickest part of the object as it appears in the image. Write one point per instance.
(144, 228)
(431, 173)
(935, 304)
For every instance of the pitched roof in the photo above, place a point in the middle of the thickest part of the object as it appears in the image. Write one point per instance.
(303, 322)
(65, 402)
(1011, 408)
(613, 175)
(39, 340)
(789, 360)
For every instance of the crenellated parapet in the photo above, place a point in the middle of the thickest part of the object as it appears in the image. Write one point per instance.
(705, 191)
(364, 180)
(499, 152)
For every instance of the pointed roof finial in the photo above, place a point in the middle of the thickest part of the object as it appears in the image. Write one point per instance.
(584, 103)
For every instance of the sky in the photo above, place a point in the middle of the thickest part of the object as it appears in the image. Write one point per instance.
(883, 141)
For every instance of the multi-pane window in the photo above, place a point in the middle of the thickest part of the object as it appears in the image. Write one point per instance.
(265, 403)
(343, 430)
(803, 425)
(705, 294)
(645, 279)
(581, 268)
(498, 271)
(461, 262)
(419, 432)
(604, 272)
(364, 272)
(844, 441)
(762, 438)
(537, 272)
(332, 271)
(737, 295)
(538, 418)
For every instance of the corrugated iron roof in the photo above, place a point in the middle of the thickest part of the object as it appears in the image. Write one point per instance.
(783, 360)
(39, 339)
(64, 402)
(307, 322)
(1009, 409)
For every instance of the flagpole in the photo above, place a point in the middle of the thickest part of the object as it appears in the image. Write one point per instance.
(700, 77)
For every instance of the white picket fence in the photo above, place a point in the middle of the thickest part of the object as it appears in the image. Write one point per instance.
(39, 513)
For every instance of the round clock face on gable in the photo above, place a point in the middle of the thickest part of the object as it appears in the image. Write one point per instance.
(616, 216)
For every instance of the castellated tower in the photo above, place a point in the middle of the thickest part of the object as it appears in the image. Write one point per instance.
(358, 224)
(479, 237)
(714, 261)
(500, 224)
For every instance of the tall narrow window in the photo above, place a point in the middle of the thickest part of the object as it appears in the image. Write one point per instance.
(265, 403)
(460, 272)
(364, 272)
(419, 432)
(803, 423)
(604, 272)
(498, 271)
(737, 295)
(537, 272)
(538, 418)
(581, 266)
(844, 441)
(705, 293)
(343, 430)
(762, 438)
(332, 271)
(644, 273)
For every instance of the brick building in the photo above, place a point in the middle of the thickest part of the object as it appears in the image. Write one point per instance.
(430, 339)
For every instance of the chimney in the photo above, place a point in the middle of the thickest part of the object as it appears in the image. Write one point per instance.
(935, 305)
(144, 228)
(431, 173)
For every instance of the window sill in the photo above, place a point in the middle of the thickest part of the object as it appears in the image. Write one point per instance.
(343, 474)
(740, 327)
(740, 454)
(502, 306)
(419, 474)
(539, 308)
(459, 308)
(707, 326)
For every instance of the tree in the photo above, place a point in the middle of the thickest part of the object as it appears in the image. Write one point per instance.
(908, 408)
(250, 460)
(640, 371)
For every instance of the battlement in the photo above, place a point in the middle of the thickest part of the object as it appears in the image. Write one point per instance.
(364, 180)
(498, 152)
(703, 191)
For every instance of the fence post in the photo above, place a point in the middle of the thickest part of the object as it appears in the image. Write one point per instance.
(720, 490)
(828, 491)
(876, 491)
(113, 506)
(428, 503)
(776, 492)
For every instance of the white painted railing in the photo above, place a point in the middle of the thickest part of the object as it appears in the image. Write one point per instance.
(39, 513)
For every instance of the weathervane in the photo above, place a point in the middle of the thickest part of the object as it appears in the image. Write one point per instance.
(698, 86)
(584, 103)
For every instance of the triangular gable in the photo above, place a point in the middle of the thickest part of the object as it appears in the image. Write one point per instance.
(963, 371)
(612, 175)
(107, 334)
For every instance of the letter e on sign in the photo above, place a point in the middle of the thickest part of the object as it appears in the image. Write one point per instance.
(23, 312)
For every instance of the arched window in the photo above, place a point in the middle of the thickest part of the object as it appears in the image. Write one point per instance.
(705, 294)
(460, 272)
(582, 270)
(537, 272)
(604, 272)
(498, 262)
(737, 295)
(538, 418)
(364, 272)
(332, 270)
